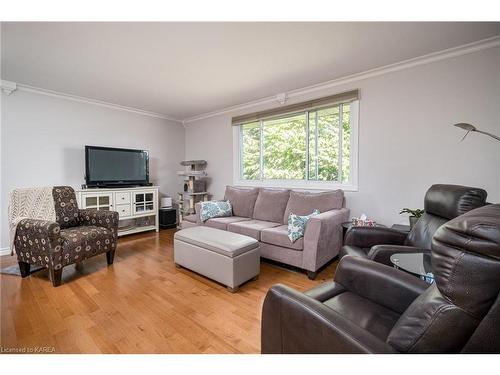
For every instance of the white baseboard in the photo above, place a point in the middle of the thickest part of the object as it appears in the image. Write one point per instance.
(4, 251)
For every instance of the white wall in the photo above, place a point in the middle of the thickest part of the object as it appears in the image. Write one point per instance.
(406, 141)
(43, 141)
(406, 138)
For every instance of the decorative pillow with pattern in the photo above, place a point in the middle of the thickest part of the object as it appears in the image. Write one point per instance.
(213, 209)
(297, 225)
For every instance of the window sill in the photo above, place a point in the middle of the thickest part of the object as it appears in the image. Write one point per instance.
(291, 184)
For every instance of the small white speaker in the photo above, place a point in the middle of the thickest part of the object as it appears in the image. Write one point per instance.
(166, 202)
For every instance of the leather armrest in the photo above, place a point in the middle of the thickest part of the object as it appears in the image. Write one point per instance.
(382, 253)
(366, 237)
(100, 218)
(295, 323)
(384, 285)
(325, 291)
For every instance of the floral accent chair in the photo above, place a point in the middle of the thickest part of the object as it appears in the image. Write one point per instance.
(74, 236)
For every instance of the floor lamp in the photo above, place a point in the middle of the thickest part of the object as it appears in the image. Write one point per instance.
(471, 128)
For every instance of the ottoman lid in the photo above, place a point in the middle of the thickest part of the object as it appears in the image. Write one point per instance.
(220, 241)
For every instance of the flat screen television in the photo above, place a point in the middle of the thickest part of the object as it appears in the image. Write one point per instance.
(106, 166)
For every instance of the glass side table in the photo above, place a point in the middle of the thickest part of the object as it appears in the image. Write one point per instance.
(418, 264)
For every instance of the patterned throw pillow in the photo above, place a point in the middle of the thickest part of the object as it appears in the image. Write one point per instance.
(213, 209)
(297, 225)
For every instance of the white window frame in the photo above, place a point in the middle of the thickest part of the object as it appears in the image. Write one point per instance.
(351, 185)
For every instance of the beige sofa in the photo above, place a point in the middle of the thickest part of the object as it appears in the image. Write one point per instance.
(263, 213)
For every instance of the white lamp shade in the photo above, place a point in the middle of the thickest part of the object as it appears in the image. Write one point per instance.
(166, 202)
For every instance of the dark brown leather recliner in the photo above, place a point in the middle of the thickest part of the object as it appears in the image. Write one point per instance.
(373, 308)
(441, 203)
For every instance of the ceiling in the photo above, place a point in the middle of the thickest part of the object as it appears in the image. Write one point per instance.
(186, 69)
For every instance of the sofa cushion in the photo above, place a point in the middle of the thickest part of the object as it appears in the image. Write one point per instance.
(279, 236)
(83, 242)
(242, 200)
(251, 228)
(222, 222)
(271, 204)
(374, 318)
(303, 203)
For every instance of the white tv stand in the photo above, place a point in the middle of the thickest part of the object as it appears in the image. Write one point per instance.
(137, 206)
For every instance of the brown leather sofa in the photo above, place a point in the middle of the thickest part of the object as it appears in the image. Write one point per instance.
(441, 203)
(373, 308)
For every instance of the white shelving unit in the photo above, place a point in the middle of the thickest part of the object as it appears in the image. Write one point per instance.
(138, 205)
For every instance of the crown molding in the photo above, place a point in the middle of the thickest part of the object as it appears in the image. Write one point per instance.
(405, 64)
(7, 85)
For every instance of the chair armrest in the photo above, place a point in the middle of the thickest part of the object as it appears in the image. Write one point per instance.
(325, 291)
(197, 209)
(100, 218)
(323, 238)
(386, 286)
(295, 323)
(367, 237)
(38, 242)
(382, 253)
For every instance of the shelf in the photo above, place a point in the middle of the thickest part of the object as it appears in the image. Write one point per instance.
(139, 215)
(126, 201)
(136, 230)
(187, 163)
(192, 173)
(115, 189)
(188, 193)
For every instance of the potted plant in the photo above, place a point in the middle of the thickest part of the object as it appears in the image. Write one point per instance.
(415, 214)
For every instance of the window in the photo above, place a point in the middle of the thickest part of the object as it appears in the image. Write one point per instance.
(312, 148)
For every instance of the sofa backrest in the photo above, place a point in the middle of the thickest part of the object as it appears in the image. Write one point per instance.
(270, 204)
(242, 200)
(273, 204)
(304, 203)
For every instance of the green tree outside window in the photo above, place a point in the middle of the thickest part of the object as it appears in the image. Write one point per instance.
(312, 145)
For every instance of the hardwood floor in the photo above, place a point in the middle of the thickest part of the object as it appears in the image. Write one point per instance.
(141, 304)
